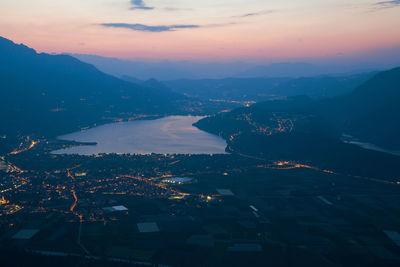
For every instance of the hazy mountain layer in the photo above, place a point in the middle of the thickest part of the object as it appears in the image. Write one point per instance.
(259, 89)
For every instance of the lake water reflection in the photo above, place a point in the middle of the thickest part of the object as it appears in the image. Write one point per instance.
(169, 135)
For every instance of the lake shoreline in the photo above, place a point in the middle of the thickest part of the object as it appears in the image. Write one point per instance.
(166, 135)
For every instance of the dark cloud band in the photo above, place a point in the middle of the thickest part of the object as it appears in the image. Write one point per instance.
(253, 14)
(388, 4)
(140, 4)
(147, 28)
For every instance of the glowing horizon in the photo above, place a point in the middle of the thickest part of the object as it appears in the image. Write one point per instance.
(209, 30)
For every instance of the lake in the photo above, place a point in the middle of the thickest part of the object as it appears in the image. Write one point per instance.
(168, 135)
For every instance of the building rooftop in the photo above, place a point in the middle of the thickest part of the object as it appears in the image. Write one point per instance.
(225, 192)
(148, 227)
(25, 234)
(115, 208)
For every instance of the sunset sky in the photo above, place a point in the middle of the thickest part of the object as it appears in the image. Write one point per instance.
(203, 30)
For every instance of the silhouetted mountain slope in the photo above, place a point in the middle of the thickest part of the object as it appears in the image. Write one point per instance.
(151, 83)
(306, 130)
(289, 117)
(54, 94)
(279, 129)
(371, 112)
(131, 79)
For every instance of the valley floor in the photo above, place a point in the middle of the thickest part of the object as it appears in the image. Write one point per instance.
(235, 211)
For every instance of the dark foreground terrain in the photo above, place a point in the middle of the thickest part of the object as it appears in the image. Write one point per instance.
(56, 208)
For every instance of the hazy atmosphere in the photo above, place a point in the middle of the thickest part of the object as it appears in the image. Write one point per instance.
(208, 30)
(182, 133)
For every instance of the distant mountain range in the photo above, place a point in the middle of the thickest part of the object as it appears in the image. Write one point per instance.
(162, 70)
(298, 69)
(261, 89)
(178, 70)
(54, 94)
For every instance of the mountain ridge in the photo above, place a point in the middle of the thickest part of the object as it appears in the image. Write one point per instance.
(49, 95)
